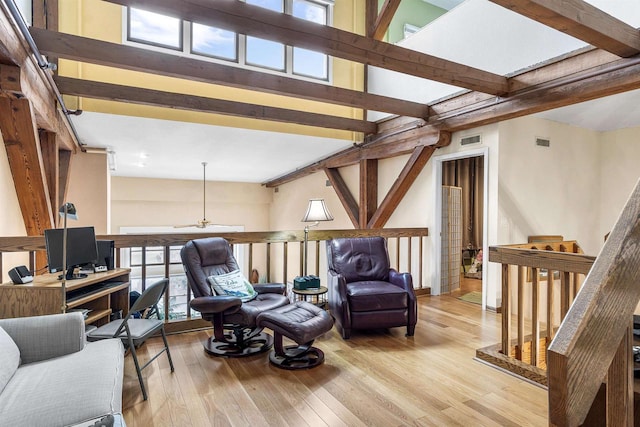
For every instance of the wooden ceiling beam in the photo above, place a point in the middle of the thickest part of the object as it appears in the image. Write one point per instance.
(51, 165)
(83, 49)
(402, 184)
(368, 190)
(582, 21)
(260, 22)
(137, 95)
(384, 18)
(344, 195)
(553, 85)
(17, 124)
(34, 84)
(393, 145)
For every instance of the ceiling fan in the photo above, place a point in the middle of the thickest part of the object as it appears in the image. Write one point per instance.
(204, 222)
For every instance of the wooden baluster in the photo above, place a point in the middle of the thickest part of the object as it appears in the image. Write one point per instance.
(32, 261)
(620, 384)
(409, 255)
(1, 267)
(301, 259)
(520, 348)
(143, 272)
(251, 257)
(269, 262)
(420, 261)
(285, 255)
(565, 294)
(506, 312)
(397, 253)
(317, 257)
(535, 325)
(167, 294)
(550, 306)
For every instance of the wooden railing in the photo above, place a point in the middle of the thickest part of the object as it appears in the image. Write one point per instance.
(547, 276)
(595, 339)
(272, 250)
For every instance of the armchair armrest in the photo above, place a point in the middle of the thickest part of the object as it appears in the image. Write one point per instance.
(402, 280)
(216, 304)
(270, 288)
(45, 337)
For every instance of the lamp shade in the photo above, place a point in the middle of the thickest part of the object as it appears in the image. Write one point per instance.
(70, 210)
(317, 211)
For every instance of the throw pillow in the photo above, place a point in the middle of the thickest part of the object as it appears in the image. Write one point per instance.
(233, 284)
(9, 358)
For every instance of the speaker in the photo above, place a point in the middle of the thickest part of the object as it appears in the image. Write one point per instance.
(20, 275)
(106, 254)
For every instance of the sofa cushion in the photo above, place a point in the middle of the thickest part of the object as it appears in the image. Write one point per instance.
(66, 390)
(373, 295)
(9, 358)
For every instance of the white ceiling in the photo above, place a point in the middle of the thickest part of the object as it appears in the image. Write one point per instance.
(177, 149)
(155, 148)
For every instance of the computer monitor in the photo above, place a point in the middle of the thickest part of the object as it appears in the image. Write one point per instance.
(81, 249)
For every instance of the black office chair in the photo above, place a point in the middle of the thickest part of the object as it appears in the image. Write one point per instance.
(134, 332)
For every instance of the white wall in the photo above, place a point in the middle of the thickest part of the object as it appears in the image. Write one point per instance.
(479, 34)
(552, 190)
(619, 174)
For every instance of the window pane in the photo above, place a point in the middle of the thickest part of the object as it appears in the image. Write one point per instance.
(213, 41)
(277, 5)
(310, 11)
(265, 53)
(310, 63)
(153, 28)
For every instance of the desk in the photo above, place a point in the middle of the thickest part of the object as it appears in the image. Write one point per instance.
(101, 293)
(317, 296)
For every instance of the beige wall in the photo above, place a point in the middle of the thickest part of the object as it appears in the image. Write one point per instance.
(89, 191)
(137, 202)
(619, 174)
(549, 190)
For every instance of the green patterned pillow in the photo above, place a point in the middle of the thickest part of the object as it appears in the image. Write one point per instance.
(233, 284)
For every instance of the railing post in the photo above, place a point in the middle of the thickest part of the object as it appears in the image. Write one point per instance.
(506, 312)
(519, 352)
(620, 384)
(535, 324)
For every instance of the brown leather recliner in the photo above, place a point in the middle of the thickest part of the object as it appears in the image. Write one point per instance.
(364, 291)
(235, 332)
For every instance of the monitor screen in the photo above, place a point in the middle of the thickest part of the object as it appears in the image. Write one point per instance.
(81, 248)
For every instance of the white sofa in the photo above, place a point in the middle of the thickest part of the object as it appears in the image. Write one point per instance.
(50, 376)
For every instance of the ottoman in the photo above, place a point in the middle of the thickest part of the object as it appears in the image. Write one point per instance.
(301, 322)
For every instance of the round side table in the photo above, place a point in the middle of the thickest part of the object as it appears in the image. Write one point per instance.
(317, 296)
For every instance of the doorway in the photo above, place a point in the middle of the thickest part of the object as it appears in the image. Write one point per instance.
(469, 172)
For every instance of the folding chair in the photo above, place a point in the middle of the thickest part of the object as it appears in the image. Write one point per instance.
(134, 332)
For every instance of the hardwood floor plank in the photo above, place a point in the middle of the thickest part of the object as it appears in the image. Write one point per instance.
(376, 378)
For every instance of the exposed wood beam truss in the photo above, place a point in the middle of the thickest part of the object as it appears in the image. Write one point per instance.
(259, 22)
(136, 95)
(384, 18)
(132, 58)
(20, 135)
(582, 21)
(368, 190)
(588, 75)
(346, 198)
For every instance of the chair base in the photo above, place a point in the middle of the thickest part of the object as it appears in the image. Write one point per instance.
(292, 359)
(258, 344)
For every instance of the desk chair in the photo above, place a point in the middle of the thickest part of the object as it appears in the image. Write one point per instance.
(134, 332)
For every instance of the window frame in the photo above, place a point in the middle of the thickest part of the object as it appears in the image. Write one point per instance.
(240, 61)
(131, 39)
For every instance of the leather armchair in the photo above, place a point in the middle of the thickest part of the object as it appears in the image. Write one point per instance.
(235, 332)
(364, 292)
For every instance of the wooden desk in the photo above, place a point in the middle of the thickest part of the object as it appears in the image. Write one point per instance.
(101, 293)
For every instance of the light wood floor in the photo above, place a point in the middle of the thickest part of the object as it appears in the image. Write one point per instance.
(377, 378)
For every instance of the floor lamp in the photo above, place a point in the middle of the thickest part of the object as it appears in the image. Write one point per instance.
(67, 211)
(316, 211)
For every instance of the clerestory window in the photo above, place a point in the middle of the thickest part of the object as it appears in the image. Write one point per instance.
(193, 38)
